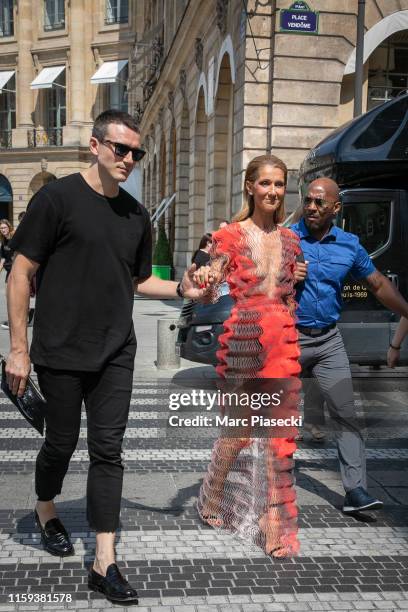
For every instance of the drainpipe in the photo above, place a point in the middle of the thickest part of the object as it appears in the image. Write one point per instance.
(359, 75)
(271, 71)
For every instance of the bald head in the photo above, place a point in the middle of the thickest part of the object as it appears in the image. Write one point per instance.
(321, 205)
(328, 185)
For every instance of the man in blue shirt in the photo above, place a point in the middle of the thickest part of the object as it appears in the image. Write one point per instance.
(330, 254)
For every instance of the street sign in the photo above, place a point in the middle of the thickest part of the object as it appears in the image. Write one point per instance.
(299, 19)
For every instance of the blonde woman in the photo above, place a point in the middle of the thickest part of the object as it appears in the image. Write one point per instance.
(249, 486)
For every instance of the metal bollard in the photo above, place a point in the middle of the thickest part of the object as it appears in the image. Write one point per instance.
(166, 344)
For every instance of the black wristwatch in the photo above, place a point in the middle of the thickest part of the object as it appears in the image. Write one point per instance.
(179, 291)
(396, 348)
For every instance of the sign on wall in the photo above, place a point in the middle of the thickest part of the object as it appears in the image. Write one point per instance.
(299, 19)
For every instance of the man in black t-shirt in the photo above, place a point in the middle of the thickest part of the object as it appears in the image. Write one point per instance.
(90, 244)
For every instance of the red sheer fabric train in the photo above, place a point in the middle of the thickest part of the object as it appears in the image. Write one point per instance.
(249, 485)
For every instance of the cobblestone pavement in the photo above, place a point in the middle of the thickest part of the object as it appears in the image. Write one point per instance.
(181, 565)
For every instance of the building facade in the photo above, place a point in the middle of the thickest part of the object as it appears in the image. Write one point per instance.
(220, 83)
(213, 83)
(61, 63)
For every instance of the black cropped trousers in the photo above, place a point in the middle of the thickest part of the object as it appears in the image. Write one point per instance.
(106, 395)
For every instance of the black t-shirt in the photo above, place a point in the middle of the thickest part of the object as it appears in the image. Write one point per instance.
(201, 258)
(6, 253)
(89, 248)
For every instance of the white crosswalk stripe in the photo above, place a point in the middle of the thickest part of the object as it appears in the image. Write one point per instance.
(146, 454)
(131, 432)
(133, 415)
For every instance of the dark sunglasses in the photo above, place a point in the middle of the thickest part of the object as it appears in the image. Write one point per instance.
(121, 150)
(320, 203)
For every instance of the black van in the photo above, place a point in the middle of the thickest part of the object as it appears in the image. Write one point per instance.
(368, 158)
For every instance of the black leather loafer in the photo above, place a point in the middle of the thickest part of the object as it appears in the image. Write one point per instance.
(54, 537)
(114, 586)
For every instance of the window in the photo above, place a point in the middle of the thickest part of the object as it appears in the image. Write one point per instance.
(388, 70)
(117, 11)
(56, 111)
(383, 127)
(6, 18)
(7, 113)
(117, 92)
(371, 221)
(54, 14)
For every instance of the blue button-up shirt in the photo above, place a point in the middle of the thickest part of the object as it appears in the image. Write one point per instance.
(330, 260)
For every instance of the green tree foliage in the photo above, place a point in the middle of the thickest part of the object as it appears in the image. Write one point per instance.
(162, 255)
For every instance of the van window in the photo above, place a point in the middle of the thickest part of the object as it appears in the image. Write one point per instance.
(371, 221)
(383, 127)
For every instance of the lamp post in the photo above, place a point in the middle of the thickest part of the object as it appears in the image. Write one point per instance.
(359, 75)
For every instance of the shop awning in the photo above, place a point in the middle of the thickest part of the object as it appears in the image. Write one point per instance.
(108, 72)
(5, 77)
(46, 78)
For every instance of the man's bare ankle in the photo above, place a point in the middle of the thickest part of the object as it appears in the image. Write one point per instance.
(101, 565)
(46, 511)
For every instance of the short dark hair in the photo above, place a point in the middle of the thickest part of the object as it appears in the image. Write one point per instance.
(102, 121)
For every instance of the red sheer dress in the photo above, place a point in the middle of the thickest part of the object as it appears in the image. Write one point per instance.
(249, 485)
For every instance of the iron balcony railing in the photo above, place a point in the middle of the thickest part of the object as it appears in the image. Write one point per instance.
(5, 139)
(377, 94)
(45, 137)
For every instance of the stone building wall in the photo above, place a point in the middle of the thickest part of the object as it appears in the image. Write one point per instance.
(82, 46)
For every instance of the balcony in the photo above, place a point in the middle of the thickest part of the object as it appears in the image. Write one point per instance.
(5, 139)
(45, 137)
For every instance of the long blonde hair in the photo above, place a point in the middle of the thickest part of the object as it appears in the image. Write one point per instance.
(251, 175)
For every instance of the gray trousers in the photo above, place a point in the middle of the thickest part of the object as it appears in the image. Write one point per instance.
(325, 359)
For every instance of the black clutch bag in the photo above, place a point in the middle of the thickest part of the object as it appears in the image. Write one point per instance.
(31, 404)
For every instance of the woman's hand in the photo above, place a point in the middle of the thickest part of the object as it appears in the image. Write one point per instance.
(205, 277)
(195, 285)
